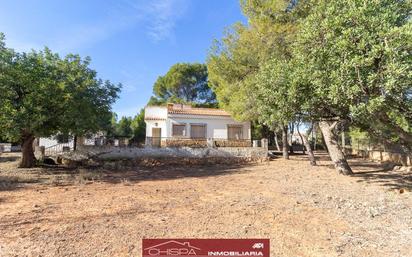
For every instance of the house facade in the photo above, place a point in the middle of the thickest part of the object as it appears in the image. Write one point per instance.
(168, 125)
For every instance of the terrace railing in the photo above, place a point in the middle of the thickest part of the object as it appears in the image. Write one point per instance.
(232, 142)
(196, 142)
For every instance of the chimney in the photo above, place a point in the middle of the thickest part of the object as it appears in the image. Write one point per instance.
(177, 106)
(170, 107)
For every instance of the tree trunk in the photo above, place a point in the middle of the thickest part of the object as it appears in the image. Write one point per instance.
(301, 139)
(292, 130)
(343, 139)
(75, 143)
(28, 160)
(335, 152)
(322, 138)
(285, 144)
(315, 139)
(307, 146)
(276, 141)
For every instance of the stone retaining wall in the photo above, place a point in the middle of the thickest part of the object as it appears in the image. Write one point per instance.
(109, 152)
(108, 156)
(169, 162)
(382, 156)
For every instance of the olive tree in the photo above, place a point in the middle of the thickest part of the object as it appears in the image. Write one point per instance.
(357, 57)
(42, 94)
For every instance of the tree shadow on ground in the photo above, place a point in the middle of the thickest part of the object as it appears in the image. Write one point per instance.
(393, 181)
(319, 156)
(170, 173)
(322, 156)
(9, 158)
(63, 176)
(280, 153)
(12, 182)
(366, 171)
(382, 174)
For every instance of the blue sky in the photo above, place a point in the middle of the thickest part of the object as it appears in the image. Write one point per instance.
(130, 41)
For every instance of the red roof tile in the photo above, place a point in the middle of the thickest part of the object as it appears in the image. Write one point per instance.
(188, 110)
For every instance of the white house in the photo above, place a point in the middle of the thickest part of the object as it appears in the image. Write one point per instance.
(59, 142)
(178, 122)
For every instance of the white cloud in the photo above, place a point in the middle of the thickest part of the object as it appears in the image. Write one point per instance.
(86, 35)
(118, 19)
(164, 14)
(157, 17)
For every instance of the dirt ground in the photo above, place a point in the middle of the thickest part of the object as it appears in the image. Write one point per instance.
(304, 210)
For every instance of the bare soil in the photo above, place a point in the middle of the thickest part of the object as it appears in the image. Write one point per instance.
(304, 210)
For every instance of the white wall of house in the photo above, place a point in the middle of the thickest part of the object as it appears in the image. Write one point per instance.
(5, 147)
(216, 126)
(155, 117)
(153, 112)
(51, 141)
(150, 124)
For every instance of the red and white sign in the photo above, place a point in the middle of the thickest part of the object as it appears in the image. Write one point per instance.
(205, 247)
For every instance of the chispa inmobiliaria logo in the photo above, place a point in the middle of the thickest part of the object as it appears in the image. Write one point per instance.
(205, 247)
